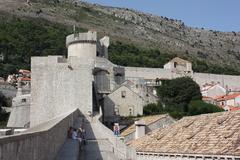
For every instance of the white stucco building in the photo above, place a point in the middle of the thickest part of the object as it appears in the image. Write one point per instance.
(213, 90)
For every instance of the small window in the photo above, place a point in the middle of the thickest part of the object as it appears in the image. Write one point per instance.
(123, 94)
(175, 64)
(24, 100)
(130, 111)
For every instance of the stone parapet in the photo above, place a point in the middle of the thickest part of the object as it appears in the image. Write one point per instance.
(41, 142)
(120, 149)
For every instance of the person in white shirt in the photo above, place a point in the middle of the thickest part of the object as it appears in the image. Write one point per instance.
(75, 136)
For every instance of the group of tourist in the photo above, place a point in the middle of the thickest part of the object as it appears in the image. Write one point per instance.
(77, 134)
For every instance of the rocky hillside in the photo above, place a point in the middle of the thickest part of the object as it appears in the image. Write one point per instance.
(136, 28)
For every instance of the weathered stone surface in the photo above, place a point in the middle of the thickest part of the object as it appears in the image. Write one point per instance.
(41, 142)
(59, 87)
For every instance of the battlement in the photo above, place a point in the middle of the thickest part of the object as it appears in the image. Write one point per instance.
(89, 37)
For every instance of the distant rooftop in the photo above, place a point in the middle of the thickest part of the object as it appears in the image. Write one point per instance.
(179, 60)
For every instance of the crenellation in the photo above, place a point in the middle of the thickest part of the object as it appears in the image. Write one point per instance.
(89, 37)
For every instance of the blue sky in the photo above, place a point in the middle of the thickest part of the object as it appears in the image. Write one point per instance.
(222, 15)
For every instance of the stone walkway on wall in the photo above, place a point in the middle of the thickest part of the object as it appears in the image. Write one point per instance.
(97, 146)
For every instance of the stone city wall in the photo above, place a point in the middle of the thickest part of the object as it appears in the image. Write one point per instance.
(229, 80)
(148, 73)
(201, 78)
(38, 143)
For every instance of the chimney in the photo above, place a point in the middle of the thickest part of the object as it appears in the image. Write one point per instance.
(140, 129)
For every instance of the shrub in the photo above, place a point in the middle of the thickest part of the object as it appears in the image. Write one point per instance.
(196, 107)
(152, 109)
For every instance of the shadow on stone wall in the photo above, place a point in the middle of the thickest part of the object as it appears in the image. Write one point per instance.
(91, 149)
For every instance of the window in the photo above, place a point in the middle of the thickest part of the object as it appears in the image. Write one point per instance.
(123, 94)
(24, 100)
(130, 111)
(175, 64)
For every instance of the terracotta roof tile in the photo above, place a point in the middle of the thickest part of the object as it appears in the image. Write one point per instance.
(148, 120)
(227, 97)
(25, 79)
(216, 134)
(179, 60)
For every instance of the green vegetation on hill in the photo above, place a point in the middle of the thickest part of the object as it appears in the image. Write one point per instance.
(203, 67)
(129, 55)
(180, 97)
(21, 38)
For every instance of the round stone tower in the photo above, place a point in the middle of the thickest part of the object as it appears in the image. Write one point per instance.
(82, 45)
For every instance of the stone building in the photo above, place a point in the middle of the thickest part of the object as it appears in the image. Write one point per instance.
(179, 65)
(127, 100)
(20, 113)
(229, 102)
(208, 136)
(123, 102)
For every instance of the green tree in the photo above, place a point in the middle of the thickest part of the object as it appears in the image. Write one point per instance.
(200, 107)
(179, 92)
(181, 97)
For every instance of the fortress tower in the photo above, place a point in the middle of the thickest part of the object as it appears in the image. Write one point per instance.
(82, 45)
(60, 85)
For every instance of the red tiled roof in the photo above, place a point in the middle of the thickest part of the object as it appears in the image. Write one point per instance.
(207, 87)
(25, 79)
(227, 97)
(205, 97)
(233, 108)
